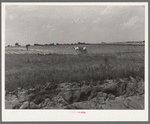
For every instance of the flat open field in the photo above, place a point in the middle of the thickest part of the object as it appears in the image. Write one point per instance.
(25, 65)
(69, 49)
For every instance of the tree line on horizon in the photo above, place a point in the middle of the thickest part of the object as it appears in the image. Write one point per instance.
(51, 44)
(79, 43)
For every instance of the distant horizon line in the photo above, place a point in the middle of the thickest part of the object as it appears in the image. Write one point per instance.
(79, 43)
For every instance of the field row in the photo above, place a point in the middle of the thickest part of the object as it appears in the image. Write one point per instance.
(34, 51)
(96, 49)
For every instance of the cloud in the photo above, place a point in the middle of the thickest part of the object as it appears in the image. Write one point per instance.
(112, 10)
(49, 26)
(53, 29)
(107, 10)
(121, 10)
(133, 22)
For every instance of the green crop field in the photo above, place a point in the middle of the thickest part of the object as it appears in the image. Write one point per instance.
(58, 64)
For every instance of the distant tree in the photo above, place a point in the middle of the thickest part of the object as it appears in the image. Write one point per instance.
(28, 45)
(36, 44)
(51, 44)
(81, 42)
(16, 44)
(57, 43)
(8, 46)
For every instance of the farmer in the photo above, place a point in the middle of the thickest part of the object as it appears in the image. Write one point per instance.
(84, 50)
(77, 49)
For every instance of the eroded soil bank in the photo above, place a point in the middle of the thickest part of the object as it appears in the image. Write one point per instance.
(127, 93)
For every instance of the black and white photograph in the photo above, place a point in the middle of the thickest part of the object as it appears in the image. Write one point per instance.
(82, 59)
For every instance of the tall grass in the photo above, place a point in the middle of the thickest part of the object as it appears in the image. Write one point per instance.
(57, 69)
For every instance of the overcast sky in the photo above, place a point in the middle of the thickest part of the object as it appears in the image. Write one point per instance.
(71, 24)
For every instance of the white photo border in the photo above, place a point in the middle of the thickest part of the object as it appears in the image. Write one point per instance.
(68, 115)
